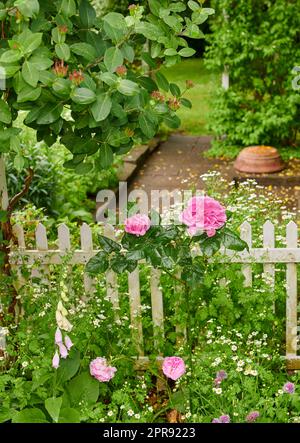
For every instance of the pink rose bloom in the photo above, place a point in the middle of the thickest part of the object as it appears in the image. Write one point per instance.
(173, 367)
(137, 224)
(203, 214)
(100, 370)
(55, 360)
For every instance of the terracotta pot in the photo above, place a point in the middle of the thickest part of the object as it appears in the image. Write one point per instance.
(259, 160)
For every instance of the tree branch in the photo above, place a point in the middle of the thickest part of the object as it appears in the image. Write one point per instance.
(14, 201)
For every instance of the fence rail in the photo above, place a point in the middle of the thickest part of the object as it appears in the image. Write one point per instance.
(268, 255)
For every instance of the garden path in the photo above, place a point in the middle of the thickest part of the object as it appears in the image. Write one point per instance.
(179, 162)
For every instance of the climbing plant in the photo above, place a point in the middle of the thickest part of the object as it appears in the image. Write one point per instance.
(76, 76)
(258, 42)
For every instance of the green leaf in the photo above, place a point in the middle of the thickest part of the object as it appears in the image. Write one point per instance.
(50, 113)
(28, 8)
(40, 62)
(101, 108)
(162, 81)
(68, 8)
(109, 78)
(175, 90)
(185, 102)
(232, 241)
(28, 93)
(30, 74)
(149, 60)
(83, 96)
(127, 87)
(53, 406)
(106, 156)
(113, 58)
(147, 125)
(87, 14)
(170, 52)
(128, 52)
(9, 71)
(108, 245)
(11, 56)
(85, 50)
(97, 264)
(5, 114)
(68, 367)
(154, 6)
(148, 30)
(62, 51)
(19, 162)
(62, 87)
(194, 6)
(83, 388)
(115, 20)
(30, 41)
(69, 415)
(172, 121)
(187, 52)
(30, 415)
(210, 245)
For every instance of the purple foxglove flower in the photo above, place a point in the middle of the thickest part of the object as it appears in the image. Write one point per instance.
(58, 336)
(68, 342)
(63, 350)
(55, 360)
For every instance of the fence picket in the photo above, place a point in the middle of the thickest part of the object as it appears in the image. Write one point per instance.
(291, 289)
(111, 276)
(246, 235)
(135, 309)
(41, 242)
(86, 242)
(157, 308)
(269, 242)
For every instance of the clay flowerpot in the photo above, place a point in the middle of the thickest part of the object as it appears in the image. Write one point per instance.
(259, 160)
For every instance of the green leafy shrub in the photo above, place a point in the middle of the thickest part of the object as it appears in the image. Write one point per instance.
(258, 42)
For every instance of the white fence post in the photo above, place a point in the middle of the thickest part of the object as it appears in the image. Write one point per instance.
(291, 294)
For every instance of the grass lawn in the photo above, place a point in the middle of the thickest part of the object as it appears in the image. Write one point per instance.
(194, 120)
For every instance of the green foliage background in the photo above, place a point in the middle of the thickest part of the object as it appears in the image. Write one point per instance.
(259, 42)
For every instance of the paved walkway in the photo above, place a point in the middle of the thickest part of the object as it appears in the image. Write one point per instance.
(179, 162)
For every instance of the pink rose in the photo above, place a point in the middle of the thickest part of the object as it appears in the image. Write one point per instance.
(173, 367)
(101, 371)
(137, 224)
(203, 214)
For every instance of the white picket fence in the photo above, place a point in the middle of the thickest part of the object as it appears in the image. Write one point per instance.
(268, 255)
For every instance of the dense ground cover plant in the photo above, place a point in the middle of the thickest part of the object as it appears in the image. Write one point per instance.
(258, 43)
(237, 369)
